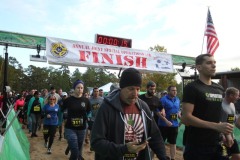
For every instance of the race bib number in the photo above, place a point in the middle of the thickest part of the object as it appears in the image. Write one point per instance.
(77, 122)
(36, 108)
(45, 131)
(173, 117)
(230, 118)
(130, 156)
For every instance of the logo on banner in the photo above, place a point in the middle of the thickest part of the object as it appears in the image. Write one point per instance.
(59, 50)
(161, 63)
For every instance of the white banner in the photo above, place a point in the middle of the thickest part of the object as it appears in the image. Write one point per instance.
(76, 53)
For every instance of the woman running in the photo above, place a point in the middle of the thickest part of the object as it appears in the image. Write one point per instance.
(78, 107)
(50, 122)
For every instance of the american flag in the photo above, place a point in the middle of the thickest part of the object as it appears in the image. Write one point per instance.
(212, 39)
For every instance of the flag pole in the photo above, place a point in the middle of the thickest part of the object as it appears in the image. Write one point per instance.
(204, 31)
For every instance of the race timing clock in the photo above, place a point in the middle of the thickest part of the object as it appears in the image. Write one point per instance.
(114, 41)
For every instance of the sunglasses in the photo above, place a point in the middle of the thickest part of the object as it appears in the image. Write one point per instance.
(52, 99)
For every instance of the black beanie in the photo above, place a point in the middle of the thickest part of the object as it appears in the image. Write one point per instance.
(130, 77)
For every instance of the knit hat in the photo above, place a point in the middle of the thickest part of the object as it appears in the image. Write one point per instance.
(151, 84)
(77, 82)
(130, 77)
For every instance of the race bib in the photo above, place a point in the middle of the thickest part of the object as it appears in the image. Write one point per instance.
(173, 117)
(130, 156)
(77, 122)
(45, 131)
(36, 108)
(230, 118)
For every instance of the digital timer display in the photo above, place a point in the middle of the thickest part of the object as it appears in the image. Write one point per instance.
(114, 41)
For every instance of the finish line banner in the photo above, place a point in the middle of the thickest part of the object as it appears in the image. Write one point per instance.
(83, 54)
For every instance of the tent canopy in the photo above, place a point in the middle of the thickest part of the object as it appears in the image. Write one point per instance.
(106, 87)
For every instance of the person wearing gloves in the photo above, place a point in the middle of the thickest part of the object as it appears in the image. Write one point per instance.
(124, 124)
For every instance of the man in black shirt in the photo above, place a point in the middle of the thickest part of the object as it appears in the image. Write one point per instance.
(201, 111)
(152, 101)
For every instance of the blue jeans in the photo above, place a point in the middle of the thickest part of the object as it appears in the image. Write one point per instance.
(35, 120)
(29, 120)
(75, 140)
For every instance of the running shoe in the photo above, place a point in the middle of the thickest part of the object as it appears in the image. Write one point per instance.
(49, 151)
(46, 144)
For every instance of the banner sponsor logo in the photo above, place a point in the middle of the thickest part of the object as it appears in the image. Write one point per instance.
(59, 50)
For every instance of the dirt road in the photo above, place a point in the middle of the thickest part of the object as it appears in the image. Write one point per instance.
(39, 152)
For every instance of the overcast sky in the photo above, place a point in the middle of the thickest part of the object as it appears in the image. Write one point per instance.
(178, 25)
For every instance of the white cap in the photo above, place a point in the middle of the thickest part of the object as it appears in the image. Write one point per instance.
(64, 94)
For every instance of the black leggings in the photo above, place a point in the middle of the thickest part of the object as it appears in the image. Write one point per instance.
(49, 132)
(60, 128)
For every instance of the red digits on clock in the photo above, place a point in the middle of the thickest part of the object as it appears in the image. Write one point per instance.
(105, 41)
(110, 41)
(99, 40)
(124, 43)
(115, 42)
